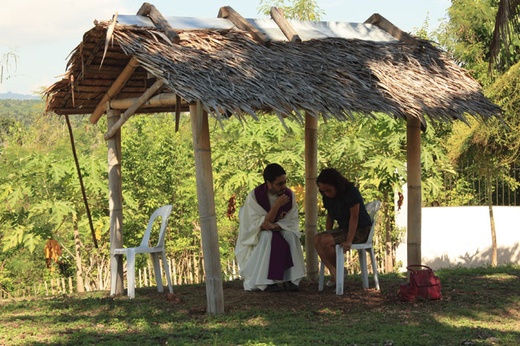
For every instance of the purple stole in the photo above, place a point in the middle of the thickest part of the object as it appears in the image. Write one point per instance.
(280, 258)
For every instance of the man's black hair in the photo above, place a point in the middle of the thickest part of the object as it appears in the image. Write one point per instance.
(273, 171)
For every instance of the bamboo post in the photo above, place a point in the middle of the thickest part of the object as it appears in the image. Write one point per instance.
(150, 271)
(206, 202)
(115, 201)
(413, 135)
(174, 271)
(311, 194)
(71, 288)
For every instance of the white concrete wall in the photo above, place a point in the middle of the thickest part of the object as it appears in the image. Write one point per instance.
(461, 236)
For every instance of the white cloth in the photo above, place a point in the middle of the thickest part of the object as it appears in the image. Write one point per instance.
(253, 247)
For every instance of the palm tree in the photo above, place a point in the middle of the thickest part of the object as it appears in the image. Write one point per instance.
(507, 23)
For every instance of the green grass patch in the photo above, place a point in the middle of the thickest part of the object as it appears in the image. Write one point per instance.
(480, 306)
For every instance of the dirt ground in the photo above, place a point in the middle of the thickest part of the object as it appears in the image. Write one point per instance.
(308, 297)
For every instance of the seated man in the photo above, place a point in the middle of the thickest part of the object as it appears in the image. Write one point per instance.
(268, 248)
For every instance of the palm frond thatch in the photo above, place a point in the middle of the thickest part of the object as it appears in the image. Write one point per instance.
(229, 72)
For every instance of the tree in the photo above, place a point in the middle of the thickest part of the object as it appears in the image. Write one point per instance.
(488, 148)
(8, 65)
(293, 9)
(505, 46)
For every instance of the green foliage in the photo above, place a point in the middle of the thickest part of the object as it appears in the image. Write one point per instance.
(293, 9)
(468, 34)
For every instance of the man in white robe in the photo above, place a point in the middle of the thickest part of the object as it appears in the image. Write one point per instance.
(268, 248)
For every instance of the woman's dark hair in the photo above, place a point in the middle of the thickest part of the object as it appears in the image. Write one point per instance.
(331, 176)
(273, 171)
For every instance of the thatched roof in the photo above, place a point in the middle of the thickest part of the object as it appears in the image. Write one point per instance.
(230, 71)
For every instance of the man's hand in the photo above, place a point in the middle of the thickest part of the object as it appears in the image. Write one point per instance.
(282, 200)
(269, 226)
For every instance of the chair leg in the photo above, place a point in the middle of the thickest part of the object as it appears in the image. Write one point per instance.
(157, 271)
(321, 278)
(374, 268)
(167, 272)
(340, 271)
(130, 273)
(364, 268)
(113, 273)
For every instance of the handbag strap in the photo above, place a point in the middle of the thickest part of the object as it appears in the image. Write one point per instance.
(417, 266)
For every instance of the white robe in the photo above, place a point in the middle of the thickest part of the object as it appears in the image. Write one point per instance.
(253, 247)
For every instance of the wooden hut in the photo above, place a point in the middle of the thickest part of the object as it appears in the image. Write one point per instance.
(148, 63)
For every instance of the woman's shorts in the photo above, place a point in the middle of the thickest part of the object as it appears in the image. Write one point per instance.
(340, 235)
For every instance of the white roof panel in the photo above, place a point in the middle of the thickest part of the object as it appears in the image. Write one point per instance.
(307, 30)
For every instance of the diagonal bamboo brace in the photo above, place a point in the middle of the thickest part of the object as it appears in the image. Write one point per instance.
(130, 111)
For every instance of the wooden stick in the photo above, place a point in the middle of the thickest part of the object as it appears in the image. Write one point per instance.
(380, 21)
(160, 22)
(284, 25)
(114, 89)
(228, 13)
(130, 111)
(159, 100)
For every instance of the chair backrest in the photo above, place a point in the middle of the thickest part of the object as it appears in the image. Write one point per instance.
(372, 209)
(164, 213)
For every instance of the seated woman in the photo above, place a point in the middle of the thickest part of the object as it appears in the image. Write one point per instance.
(344, 204)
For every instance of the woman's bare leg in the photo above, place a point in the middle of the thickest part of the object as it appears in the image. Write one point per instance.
(326, 248)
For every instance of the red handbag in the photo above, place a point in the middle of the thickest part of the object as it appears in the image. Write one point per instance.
(422, 283)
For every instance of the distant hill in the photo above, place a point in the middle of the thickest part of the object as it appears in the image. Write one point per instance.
(12, 96)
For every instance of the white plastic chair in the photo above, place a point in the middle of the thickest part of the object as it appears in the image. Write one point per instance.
(155, 252)
(372, 209)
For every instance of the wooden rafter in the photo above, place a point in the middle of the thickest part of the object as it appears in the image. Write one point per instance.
(114, 89)
(130, 111)
(228, 13)
(384, 24)
(284, 25)
(160, 22)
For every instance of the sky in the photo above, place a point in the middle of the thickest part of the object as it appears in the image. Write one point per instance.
(41, 34)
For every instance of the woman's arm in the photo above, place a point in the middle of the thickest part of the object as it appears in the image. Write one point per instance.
(352, 226)
(329, 223)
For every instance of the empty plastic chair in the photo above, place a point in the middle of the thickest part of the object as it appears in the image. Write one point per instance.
(144, 247)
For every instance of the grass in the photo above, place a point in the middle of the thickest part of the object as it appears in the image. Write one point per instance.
(480, 306)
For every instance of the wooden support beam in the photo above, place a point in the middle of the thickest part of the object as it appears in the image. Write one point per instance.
(207, 215)
(177, 112)
(160, 22)
(115, 205)
(311, 194)
(130, 111)
(228, 13)
(413, 181)
(284, 25)
(160, 100)
(413, 161)
(114, 89)
(384, 24)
